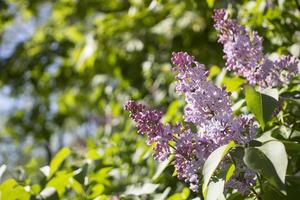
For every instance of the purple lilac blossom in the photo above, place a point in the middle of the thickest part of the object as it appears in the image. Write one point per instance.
(191, 152)
(242, 180)
(189, 73)
(209, 108)
(204, 99)
(243, 52)
(148, 122)
(246, 128)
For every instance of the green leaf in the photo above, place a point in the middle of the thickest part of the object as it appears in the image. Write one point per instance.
(256, 160)
(272, 193)
(49, 193)
(212, 163)
(234, 84)
(97, 190)
(261, 105)
(45, 170)
(2, 170)
(215, 190)
(10, 189)
(102, 176)
(235, 196)
(293, 186)
(230, 172)
(76, 186)
(60, 182)
(80, 174)
(214, 70)
(269, 104)
(272, 92)
(295, 96)
(7, 187)
(161, 167)
(162, 196)
(172, 112)
(254, 104)
(238, 105)
(275, 152)
(293, 146)
(147, 188)
(174, 173)
(58, 159)
(210, 3)
(265, 137)
(19, 193)
(181, 196)
(93, 154)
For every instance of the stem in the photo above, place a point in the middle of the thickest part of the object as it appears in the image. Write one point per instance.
(231, 158)
(260, 183)
(291, 133)
(172, 147)
(256, 194)
(48, 152)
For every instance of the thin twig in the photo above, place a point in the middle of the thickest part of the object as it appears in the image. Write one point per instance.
(291, 133)
(172, 147)
(260, 183)
(256, 194)
(297, 4)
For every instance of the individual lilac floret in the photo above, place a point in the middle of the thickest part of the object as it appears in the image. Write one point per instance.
(148, 122)
(243, 52)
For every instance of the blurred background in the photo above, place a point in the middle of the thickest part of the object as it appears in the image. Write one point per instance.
(67, 67)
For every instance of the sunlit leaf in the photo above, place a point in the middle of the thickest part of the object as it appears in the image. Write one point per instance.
(215, 190)
(256, 160)
(230, 172)
(275, 152)
(212, 163)
(262, 106)
(234, 84)
(160, 168)
(180, 195)
(136, 190)
(49, 193)
(2, 170)
(210, 3)
(58, 159)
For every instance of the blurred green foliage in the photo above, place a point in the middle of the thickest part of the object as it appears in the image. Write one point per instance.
(68, 67)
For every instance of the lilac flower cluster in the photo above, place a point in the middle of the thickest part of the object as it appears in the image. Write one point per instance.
(209, 109)
(244, 54)
(148, 122)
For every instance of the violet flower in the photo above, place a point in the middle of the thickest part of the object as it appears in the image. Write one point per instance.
(243, 52)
